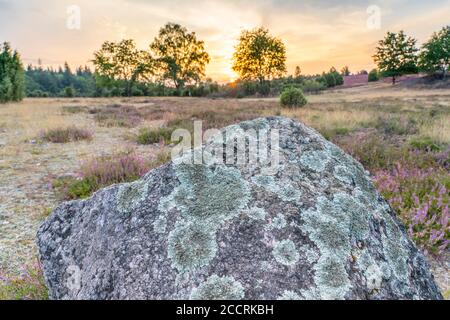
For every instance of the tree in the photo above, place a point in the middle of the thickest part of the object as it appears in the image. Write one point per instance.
(123, 61)
(259, 56)
(180, 57)
(298, 72)
(396, 55)
(435, 55)
(12, 75)
(345, 71)
(373, 75)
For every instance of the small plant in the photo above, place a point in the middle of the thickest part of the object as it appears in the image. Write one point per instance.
(293, 98)
(151, 136)
(425, 144)
(117, 115)
(64, 135)
(105, 171)
(397, 125)
(73, 109)
(30, 285)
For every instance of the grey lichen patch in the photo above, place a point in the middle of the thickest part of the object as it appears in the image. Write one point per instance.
(266, 181)
(395, 252)
(315, 160)
(289, 193)
(289, 295)
(191, 246)
(207, 197)
(256, 213)
(279, 222)
(131, 195)
(330, 228)
(219, 288)
(331, 277)
(210, 194)
(371, 270)
(343, 174)
(285, 252)
(160, 224)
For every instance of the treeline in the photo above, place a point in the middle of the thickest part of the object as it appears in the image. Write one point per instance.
(175, 61)
(11, 75)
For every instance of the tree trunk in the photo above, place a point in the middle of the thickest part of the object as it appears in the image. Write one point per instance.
(393, 80)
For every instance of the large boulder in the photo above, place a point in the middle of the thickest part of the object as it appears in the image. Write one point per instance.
(311, 226)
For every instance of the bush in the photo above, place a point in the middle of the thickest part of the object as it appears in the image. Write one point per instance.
(373, 75)
(398, 125)
(105, 171)
(293, 98)
(151, 136)
(312, 86)
(421, 199)
(117, 115)
(425, 144)
(64, 135)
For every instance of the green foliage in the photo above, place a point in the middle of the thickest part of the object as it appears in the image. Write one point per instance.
(180, 57)
(12, 79)
(293, 98)
(150, 136)
(396, 125)
(312, 86)
(122, 61)
(396, 55)
(373, 75)
(259, 56)
(435, 55)
(28, 286)
(425, 144)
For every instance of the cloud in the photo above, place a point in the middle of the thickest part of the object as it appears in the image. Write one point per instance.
(317, 33)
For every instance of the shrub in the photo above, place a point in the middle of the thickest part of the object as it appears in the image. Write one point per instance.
(64, 135)
(117, 115)
(292, 98)
(150, 136)
(398, 125)
(421, 199)
(30, 285)
(373, 75)
(425, 144)
(105, 171)
(312, 86)
(73, 109)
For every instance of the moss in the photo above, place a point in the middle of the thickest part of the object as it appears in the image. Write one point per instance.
(191, 246)
(219, 288)
(289, 295)
(286, 253)
(131, 195)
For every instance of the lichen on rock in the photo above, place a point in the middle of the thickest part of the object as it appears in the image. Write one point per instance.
(219, 288)
(313, 227)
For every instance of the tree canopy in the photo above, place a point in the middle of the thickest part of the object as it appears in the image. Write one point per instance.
(180, 57)
(259, 56)
(12, 82)
(396, 55)
(435, 55)
(123, 61)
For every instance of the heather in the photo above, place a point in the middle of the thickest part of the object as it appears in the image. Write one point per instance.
(64, 135)
(28, 285)
(103, 171)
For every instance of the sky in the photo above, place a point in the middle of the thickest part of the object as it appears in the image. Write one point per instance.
(317, 34)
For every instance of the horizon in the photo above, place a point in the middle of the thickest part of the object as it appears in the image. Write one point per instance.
(317, 34)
